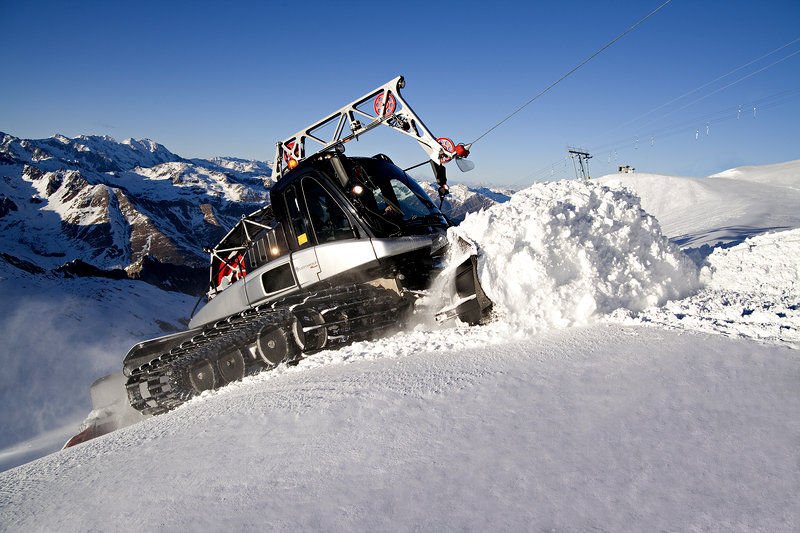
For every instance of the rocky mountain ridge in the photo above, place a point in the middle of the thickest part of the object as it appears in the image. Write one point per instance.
(132, 206)
(91, 205)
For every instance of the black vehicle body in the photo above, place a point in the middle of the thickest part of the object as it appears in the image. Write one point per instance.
(334, 221)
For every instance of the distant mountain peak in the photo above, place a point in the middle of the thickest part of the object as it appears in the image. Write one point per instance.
(108, 203)
(99, 138)
(147, 144)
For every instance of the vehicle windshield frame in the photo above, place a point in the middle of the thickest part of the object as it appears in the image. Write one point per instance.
(400, 206)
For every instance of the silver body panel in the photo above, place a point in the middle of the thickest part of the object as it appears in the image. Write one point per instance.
(401, 245)
(342, 256)
(308, 266)
(254, 282)
(230, 301)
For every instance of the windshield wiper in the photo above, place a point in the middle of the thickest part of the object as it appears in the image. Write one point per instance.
(382, 218)
(432, 217)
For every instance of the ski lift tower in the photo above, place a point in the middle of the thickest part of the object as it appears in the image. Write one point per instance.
(580, 160)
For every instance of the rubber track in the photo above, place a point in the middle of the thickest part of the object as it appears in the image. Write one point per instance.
(355, 312)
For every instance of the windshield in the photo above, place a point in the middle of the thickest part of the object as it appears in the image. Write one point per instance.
(388, 192)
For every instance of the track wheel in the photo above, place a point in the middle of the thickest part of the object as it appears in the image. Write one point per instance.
(308, 329)
(273, 346)
(202, 376)
(231, 365)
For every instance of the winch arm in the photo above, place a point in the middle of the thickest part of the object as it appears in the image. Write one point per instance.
(384, 105)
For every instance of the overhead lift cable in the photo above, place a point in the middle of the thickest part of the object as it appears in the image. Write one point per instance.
(556, 169)
(548, 171)
(730, 112)
(739, 80)
(703, 86)
(668, 131)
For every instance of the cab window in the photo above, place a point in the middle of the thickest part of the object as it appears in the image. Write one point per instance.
(267, 245)
(328, 219)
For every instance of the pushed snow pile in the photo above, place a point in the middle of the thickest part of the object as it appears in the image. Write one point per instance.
(753, 292)
(565, 253)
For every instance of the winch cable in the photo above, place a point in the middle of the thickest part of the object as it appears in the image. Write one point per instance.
(562, 78)
(565, 76)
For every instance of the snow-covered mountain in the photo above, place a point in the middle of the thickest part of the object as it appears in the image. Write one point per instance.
(131, 205)
(92, 205)
(86, 152)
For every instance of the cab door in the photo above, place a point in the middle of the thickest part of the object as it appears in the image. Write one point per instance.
(327, 240)
(304, 258)
(339, 248)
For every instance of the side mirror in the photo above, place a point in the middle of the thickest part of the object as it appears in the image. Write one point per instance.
(465, 165)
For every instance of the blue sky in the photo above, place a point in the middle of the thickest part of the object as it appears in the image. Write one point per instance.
(222, 78)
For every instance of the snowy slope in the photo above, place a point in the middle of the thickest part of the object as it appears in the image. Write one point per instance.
(732, 206)
(781, 174)
(728, 222)
(517, 425)
(751, 290)
(607, 428)
(59, 335)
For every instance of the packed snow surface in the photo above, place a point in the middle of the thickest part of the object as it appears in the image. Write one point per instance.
(603, 428)
(566, 253)
(752, 290)
(779, 174)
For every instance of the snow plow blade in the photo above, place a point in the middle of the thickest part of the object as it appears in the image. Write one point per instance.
(110, 410)
(466, 298)
(474, 304)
